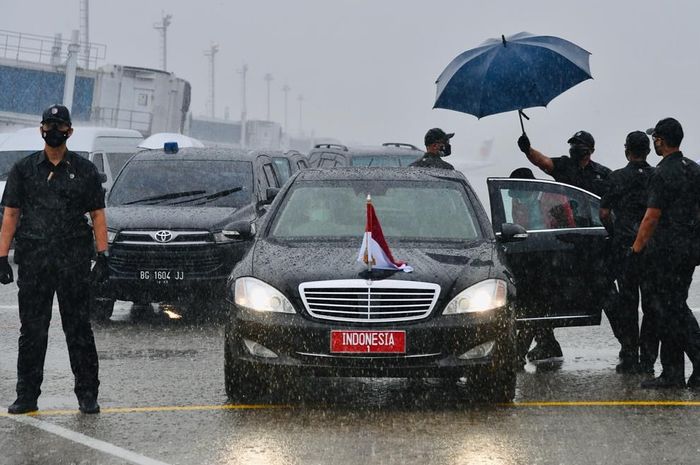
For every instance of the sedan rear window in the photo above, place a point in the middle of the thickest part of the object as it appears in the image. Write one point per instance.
(184, 183)
(407, 211)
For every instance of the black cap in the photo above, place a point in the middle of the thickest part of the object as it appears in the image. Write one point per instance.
(582, 137)
(522, 173)
(437, 135)
(637, 142)
(56, 113)
(668, 129)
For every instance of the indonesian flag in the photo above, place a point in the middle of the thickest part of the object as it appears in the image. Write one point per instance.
(375, 252)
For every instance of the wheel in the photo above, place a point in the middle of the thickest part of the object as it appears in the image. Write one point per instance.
(242, 380)
(101, 308)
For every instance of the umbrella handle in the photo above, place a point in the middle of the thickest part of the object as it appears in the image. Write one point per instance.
(520, 115)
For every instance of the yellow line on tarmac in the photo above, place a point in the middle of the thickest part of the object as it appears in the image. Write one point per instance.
(172, 408)
(609, 403)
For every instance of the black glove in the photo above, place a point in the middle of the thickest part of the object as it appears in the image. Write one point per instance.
(6, 276)
(524, 144)
(100, 272)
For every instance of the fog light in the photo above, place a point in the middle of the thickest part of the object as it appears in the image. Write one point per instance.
(258, 350)
(480, 351)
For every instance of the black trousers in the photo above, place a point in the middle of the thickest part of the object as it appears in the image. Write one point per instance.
(636, 343)
(667, 285)
(40, 276)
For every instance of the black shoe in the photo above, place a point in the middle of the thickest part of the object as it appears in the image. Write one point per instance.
(628, 367)
(22, 406)
(663, 382)
(694, 380)
(544, 352)
(88, 405)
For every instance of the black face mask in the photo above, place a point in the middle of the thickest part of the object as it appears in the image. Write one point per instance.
(54, 138)
(446, 149)
(578, 153)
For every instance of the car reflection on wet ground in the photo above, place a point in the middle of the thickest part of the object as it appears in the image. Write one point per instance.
(163, 401)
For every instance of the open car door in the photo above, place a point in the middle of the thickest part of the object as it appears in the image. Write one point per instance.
(560, 269)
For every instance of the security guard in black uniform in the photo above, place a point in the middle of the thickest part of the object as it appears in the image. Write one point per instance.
(621, 211)
(46, 200)
(577, 170)
(437, 145)
(667, 239)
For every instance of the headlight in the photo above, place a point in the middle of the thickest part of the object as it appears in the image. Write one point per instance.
(256, 295)
(111, 235)
(219, 238)
(481, 297)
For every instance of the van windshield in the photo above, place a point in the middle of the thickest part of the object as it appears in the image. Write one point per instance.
(184, 183)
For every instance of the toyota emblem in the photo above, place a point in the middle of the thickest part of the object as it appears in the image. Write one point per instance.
(164, 236)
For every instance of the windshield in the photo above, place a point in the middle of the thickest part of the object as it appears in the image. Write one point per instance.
(184, 183)
(8, 159)
(406, 209)
(393, 161)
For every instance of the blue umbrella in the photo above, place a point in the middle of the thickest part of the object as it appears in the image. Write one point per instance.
(514, 73)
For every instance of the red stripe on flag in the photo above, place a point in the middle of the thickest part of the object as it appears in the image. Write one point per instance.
(375, 228)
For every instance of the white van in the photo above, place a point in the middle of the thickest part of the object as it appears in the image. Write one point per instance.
(108, 148)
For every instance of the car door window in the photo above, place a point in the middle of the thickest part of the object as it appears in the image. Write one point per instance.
(541, 205)
(270, 176)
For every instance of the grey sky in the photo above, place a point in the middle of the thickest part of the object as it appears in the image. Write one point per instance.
(367, 68)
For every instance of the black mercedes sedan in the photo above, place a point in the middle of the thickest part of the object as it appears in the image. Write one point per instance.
(303, 302)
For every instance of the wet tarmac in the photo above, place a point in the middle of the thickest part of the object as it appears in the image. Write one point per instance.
(163, 401)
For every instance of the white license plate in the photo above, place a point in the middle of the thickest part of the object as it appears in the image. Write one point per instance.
(161, 275)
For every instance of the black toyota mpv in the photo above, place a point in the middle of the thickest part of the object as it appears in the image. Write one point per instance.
(167, 217)
(301, 303)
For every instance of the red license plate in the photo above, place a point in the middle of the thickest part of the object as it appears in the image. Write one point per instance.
(368, 342)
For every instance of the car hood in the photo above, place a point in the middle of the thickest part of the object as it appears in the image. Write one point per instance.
(285, 266)
(159, 217)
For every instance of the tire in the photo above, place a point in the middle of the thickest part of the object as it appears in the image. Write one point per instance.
(498, 381)
(101, 308)
(243, 381)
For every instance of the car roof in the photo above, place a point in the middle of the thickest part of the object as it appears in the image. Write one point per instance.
(82, 140)
(388, 174)
(387, 150)
(199, 153)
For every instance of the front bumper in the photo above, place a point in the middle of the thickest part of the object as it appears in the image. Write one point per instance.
(302, 345)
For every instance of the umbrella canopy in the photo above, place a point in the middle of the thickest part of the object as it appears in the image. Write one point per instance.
(513, 73)
(157, 140)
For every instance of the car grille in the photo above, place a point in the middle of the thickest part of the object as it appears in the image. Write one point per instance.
(359, 300)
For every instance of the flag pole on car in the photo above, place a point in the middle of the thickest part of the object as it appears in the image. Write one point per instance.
(374, 250)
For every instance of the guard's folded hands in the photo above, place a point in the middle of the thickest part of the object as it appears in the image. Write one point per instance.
(6, 276)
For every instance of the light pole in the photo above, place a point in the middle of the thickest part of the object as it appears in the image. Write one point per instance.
(162, 26)
(286, 90)
(211, 53)
(244, 111)
(268, 79)
(301, 102)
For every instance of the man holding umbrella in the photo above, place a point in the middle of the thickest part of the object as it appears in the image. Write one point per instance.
(577, 170)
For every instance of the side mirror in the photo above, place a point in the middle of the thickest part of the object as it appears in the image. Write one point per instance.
(511, 232)
(103, 178)
(239, 230)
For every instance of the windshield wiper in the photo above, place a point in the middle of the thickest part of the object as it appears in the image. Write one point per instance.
(210, 197)
(173, 195)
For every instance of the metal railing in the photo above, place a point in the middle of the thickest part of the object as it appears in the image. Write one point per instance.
(122, 118)
(45, 49)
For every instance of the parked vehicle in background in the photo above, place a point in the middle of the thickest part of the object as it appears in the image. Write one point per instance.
(288, 163)
(107, 148)
(390, 154)
(175, 222)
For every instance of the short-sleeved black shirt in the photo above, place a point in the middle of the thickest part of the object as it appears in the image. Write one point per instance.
(431, 161)
(627, 198)
(674, 188)
(593, 177)
(53, 200)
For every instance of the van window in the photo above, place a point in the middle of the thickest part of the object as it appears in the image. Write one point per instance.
(270, 175)
(285, 170)
(99, 162)
(8, 160)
